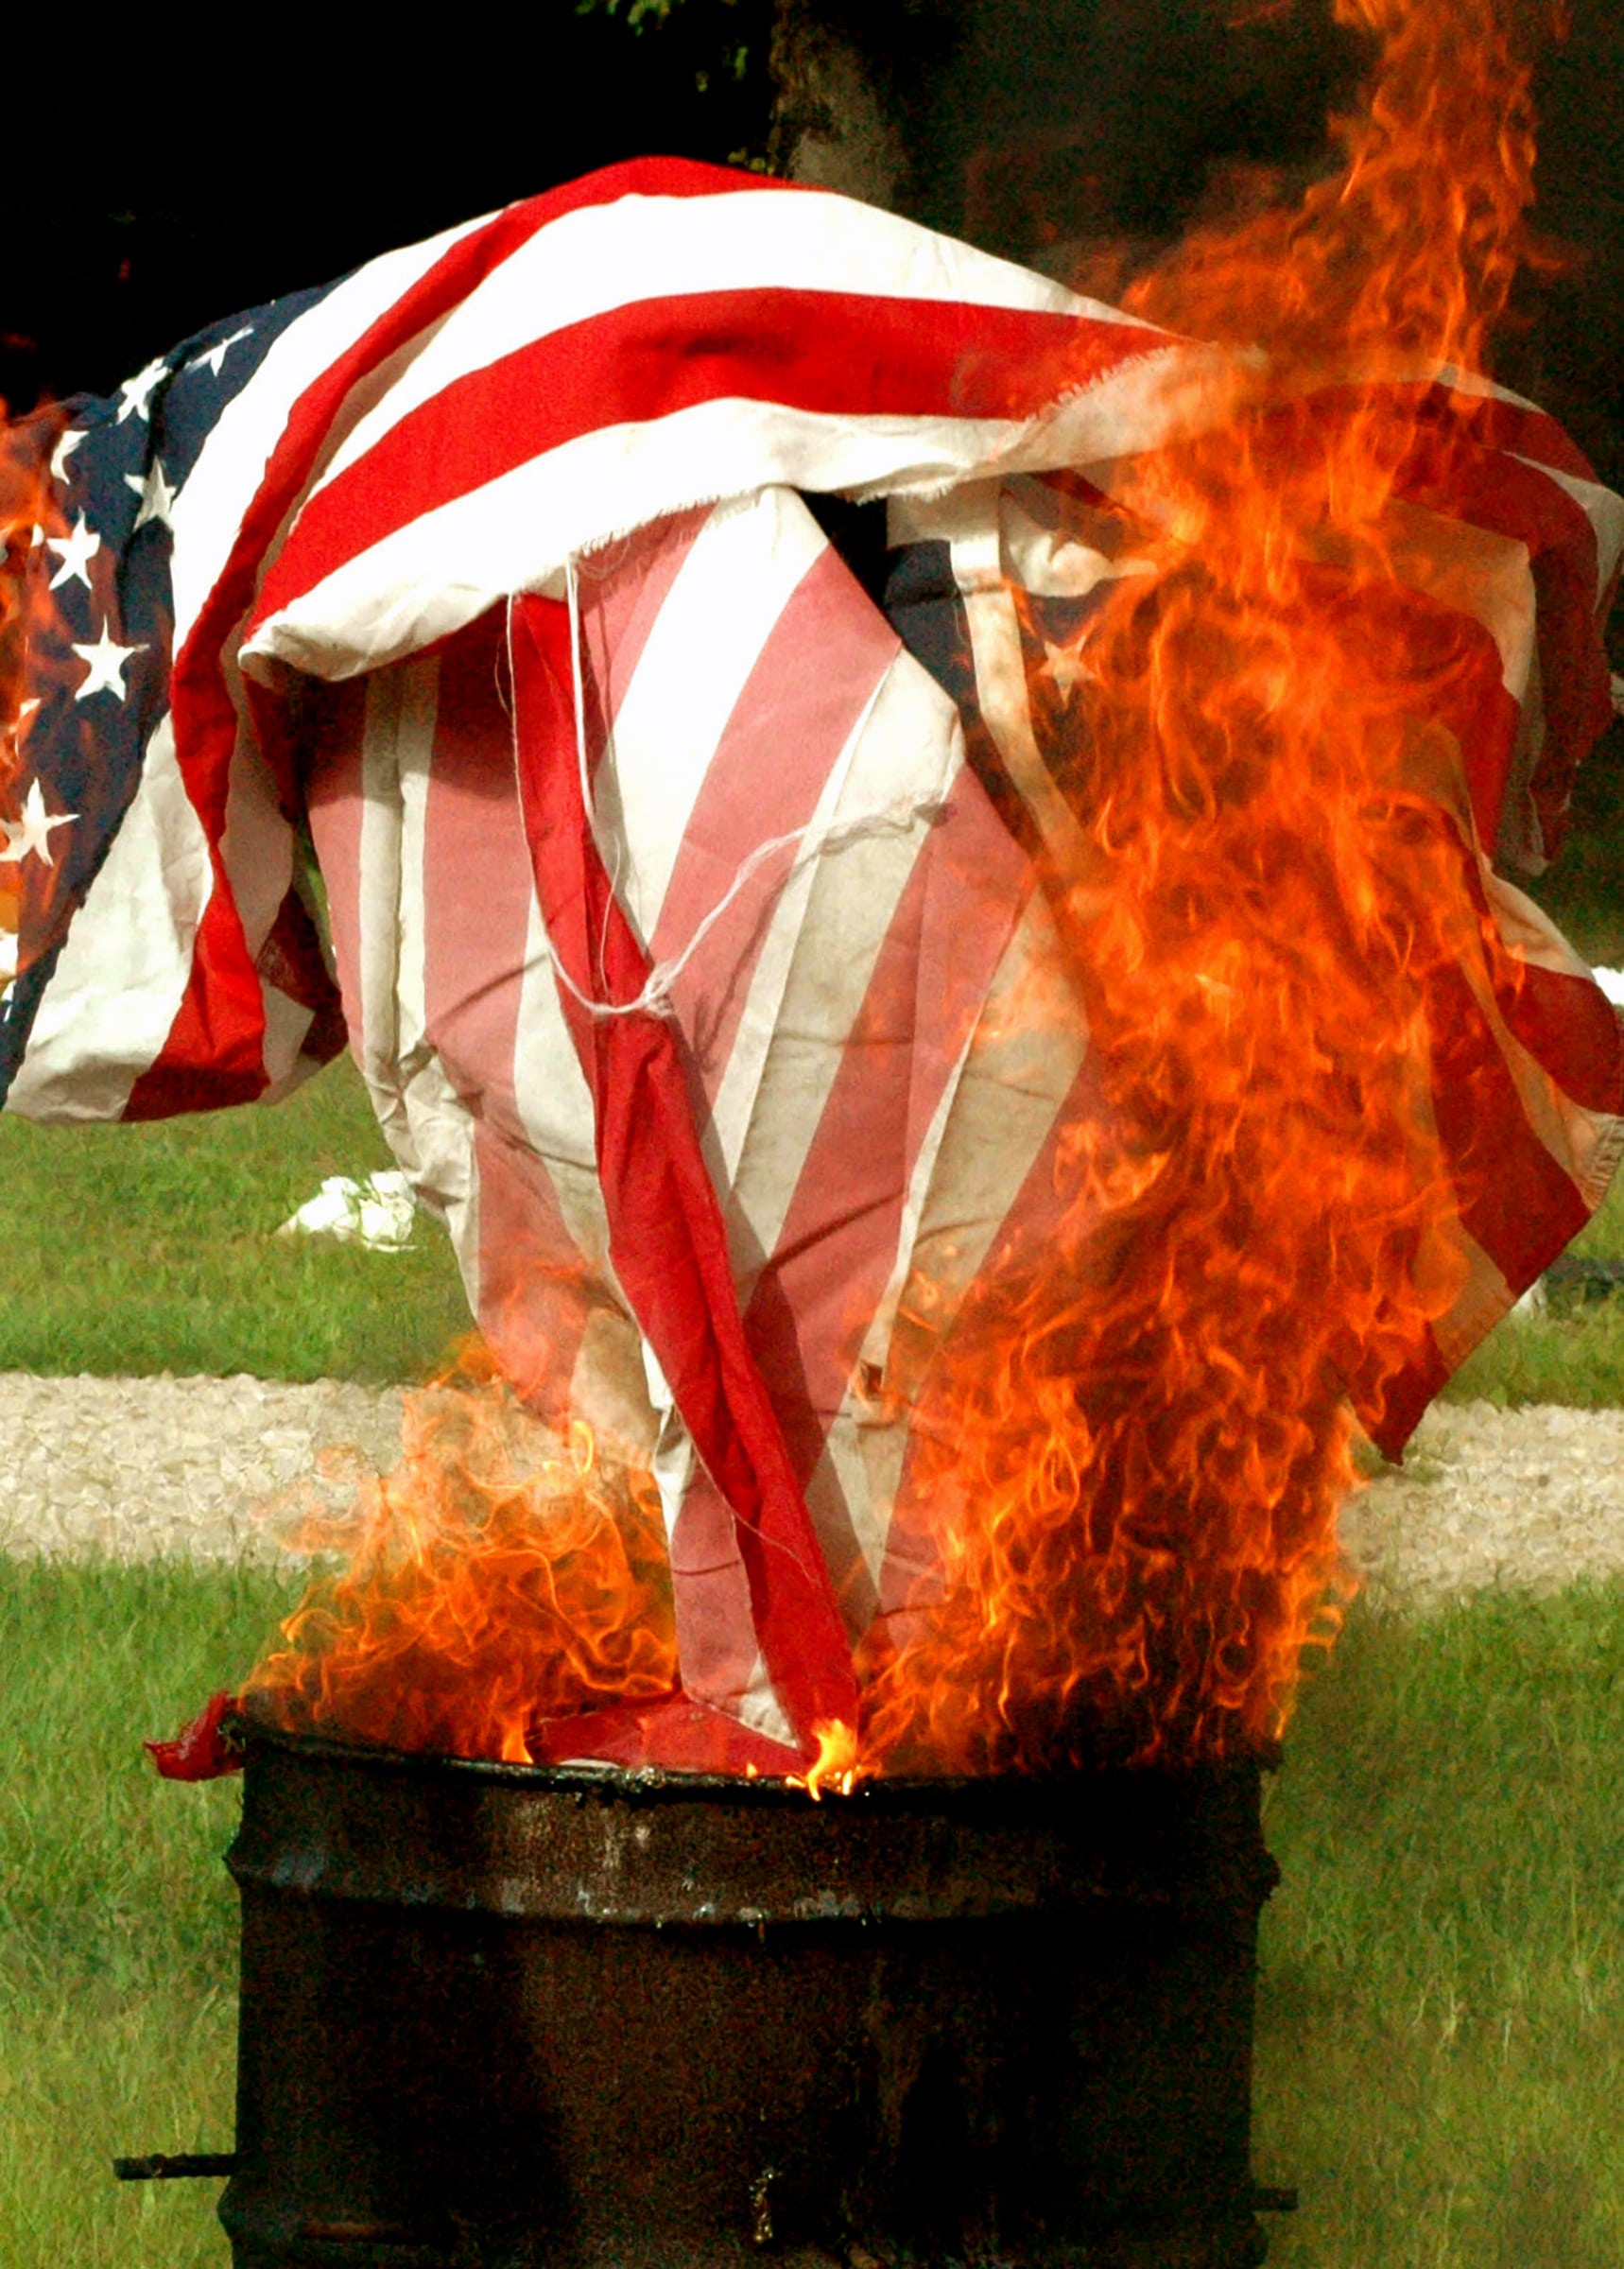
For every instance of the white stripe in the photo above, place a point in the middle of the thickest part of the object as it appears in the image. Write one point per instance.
(515, 533)
(377, 880)
(554, 1103)
(210, 506)
(123, 972)
(604, 258)
(723, 607)
(427, 1126)
(414, 755)
(996, 1112)
(827, 932)
(381, 945)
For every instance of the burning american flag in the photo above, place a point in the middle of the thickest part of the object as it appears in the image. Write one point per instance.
(953, 1047)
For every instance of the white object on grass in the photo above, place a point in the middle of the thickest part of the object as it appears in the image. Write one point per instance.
(376, 1212)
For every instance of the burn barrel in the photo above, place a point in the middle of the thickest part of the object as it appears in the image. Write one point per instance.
(494, 2014)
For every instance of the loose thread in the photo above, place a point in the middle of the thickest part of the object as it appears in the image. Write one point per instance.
(655, 998)
(896, 818)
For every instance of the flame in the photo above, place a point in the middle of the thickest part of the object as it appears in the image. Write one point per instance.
(24, 514)
(36, 651)
(1132, 1471)
(504, 1573)
(1132, 1461)
(835, 1765)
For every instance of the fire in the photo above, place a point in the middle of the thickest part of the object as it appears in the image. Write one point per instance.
(837, 1764)
(1140, 1458)
(34, 648)
(24, 514)
(504, 1575)
(1131, 1462)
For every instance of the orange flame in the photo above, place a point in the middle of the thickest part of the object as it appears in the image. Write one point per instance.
(504, 1575)
(34, 650)
(1132, 1468)
(835, 1767)
(1139, 1461)
(24, 511)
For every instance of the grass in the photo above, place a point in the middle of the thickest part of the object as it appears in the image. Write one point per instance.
(1441, 2040)
(118, 1973)
(142, 1249)
(175, 1267)
(1440, 2047)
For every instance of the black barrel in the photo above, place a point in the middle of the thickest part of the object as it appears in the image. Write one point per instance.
(496, 2015)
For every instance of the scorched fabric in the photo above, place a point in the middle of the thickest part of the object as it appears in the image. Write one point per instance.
(691, 621)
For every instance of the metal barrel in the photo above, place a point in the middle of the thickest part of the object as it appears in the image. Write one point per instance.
(497, 2015)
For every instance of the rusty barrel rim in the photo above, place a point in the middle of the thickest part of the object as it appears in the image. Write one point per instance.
(655, 1784)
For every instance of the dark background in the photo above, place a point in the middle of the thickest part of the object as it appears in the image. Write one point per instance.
(147, 189)
(148, 186)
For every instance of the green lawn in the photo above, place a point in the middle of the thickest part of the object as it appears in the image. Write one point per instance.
(117, 1966)
(175, 1267)
(139, 1249)
(1441, 2039)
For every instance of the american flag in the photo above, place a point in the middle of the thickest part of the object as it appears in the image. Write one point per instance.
(679, 883)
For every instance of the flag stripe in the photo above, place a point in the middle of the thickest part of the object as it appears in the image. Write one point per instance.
(669, 1247)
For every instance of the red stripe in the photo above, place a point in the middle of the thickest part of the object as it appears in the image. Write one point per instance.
(221, 1018)
(1516, 1200)
(1568, 1025)
(1440, 416)
(675, 1732)
(215, 1051)
(666, 1234)
(474, 833)
(823, 352)
(1462, 461)
(1390, 1405)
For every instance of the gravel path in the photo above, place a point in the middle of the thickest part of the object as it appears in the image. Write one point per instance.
(140, 1467)
(1526, 1498)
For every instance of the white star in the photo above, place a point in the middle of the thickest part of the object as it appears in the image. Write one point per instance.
(106, 660)
(215, 355)
(1066, 670)
(135, 391)
(75, 552)
(156, 496)
(63, 450)
(32, 832)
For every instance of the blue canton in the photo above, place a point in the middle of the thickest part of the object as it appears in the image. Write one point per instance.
(101, 615)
